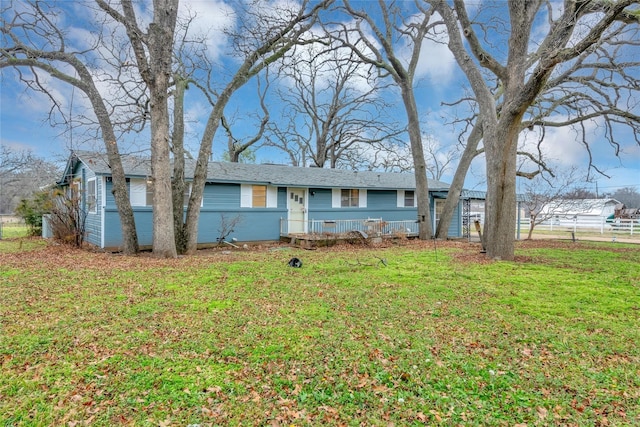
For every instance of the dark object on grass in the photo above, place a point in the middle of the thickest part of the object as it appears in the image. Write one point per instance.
(295, 262)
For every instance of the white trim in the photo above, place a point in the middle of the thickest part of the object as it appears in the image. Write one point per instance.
(336, 195)
(435, 213)
(362, 198)
(272, 196)
(94, 210)
(103, 204)
(138, 192)
(246, 190)
(400, 199)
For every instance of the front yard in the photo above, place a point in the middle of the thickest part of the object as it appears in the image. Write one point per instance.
(402, 334)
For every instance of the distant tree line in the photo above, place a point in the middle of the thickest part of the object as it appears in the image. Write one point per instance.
(22, 174)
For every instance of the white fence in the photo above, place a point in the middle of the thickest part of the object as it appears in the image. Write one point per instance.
(586, 224)
(374, 227)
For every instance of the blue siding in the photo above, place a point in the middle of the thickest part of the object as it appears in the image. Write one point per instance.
(221, 196)
(282, 197)
(382, 199)
(455, 228)
(143, 217)
(92, 223)
(320, 199)
(255, 224)
(380, 204)
(222, 202)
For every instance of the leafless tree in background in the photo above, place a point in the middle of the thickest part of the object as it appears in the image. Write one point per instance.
(545, 189)
(21, 175)
(32, 41)
(265, 34)
(332, 106)
(374, 37)
(519, 78)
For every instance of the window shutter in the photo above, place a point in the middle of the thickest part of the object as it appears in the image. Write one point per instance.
(400, 199)
(272, 197)
(335, 197)
(246, 194)
(362, 198)
(138, 192)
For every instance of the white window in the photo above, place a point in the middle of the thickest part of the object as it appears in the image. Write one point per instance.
(258, 196)
(138, 192)
(92, 196)
(348, 198)
(148, 194)
(406, 199)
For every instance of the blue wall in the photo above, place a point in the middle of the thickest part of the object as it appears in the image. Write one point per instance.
(380, 204)
(221, 202)
(92, 223)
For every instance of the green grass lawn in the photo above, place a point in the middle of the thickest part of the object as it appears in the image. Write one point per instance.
(12, 230)
(438, 336)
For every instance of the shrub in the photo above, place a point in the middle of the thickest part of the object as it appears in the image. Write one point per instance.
(32, 210)
(68, 218)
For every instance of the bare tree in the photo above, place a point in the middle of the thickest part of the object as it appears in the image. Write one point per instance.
(153, 52)
(590, 88)
(544, 190)
(628, 195)
(237, 146)
(440, 158)
(520, 76)
(21, 175)
(31, 41)
(332, 106)
(373, 38)
(263, 38)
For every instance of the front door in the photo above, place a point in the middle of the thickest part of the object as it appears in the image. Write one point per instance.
(296, 203)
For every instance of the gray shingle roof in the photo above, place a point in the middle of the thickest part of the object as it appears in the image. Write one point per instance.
(277, 175)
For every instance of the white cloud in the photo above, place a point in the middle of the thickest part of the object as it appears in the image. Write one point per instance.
(210, 20)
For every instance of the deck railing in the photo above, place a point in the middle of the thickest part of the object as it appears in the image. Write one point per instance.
(376, 227)
(372, 227)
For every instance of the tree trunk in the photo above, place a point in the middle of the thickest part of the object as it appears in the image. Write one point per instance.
(420, 167)
(160, 44)
(532, 224)
(501, 143)
(121, 197)
(119, 181)
(455, 189)
(179, 184)
(200, 171)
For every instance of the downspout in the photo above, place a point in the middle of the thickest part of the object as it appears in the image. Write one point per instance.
(518, 221)
(433, 203)
(103, 202)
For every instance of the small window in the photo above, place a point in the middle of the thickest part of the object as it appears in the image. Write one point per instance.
(259, 196)
(409, 199)
(92, 196)
(149, 193)
(349, 198)
(74, 189)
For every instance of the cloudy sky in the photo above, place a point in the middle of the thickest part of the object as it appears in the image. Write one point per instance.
(25, 124)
